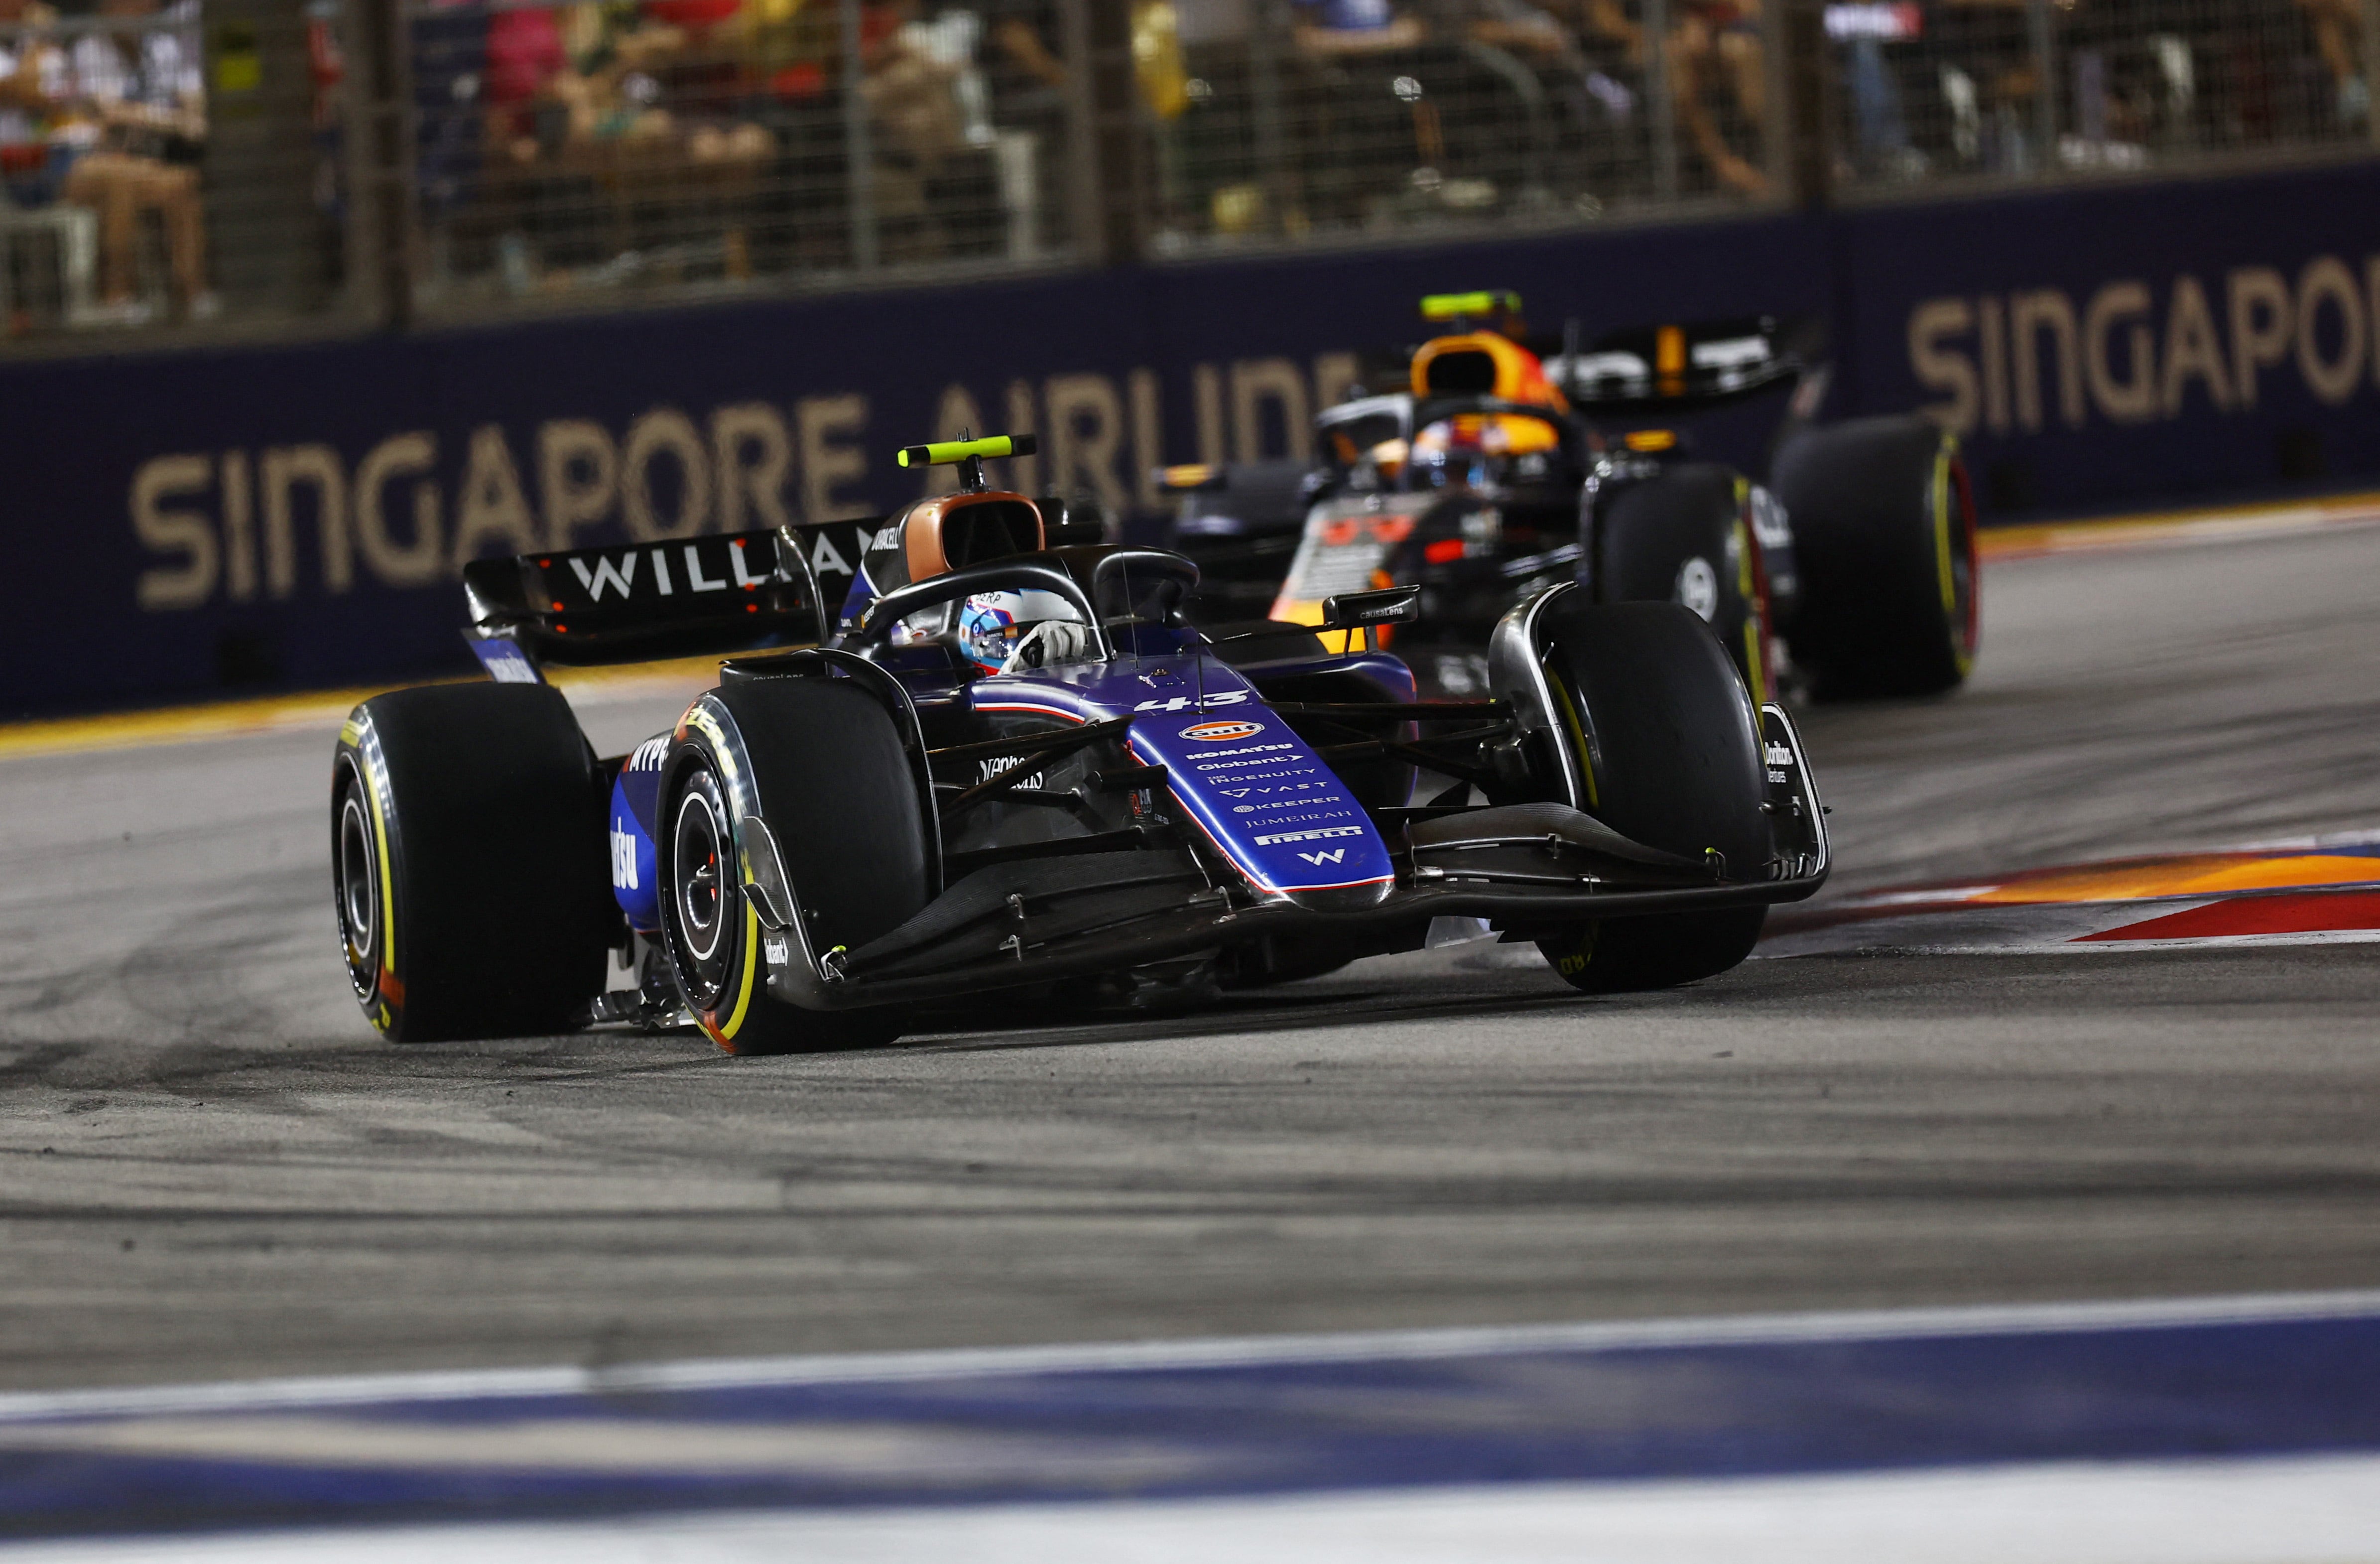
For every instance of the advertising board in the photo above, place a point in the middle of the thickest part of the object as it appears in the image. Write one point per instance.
(197, 521)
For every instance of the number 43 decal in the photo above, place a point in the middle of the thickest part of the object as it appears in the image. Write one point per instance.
(1183, 702)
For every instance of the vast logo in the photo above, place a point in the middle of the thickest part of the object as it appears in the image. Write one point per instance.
(1221, 732)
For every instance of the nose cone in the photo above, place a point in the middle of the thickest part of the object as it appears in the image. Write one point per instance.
(1344, 898)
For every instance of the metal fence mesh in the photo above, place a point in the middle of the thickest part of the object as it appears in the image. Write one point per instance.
(626, 147)
(213, 164)
(162, 165)
(1308, 120)
(2019, 89)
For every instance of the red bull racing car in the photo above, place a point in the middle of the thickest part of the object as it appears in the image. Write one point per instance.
(1009, 765)
(1498, 466)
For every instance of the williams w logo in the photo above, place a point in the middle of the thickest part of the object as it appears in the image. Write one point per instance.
(1318, 859)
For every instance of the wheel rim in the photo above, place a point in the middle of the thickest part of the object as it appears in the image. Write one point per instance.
(358, 890)
(700, 903)
(698, 876)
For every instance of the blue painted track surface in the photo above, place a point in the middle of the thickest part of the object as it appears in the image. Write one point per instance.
(1529, 1414)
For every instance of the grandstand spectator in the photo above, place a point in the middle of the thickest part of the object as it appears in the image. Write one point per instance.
(1989, 82)
(1718, 80)
(1524, 29)
(142, 84)
(32, 79)
(2338, 41)
(1331, 28)
(524, 62)
(916, 124)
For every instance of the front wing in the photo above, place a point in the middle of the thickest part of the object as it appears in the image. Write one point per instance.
(1111, 912)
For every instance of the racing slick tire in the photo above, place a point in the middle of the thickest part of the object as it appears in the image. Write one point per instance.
(1672, 760)
(1884, 534)
(824, 762)
(1680, 537)
(467, 863)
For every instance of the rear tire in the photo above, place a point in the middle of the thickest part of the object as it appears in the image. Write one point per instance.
(1669, 744)
(468, 863)
(1680, 537)
(1884, 534)
(828, 773)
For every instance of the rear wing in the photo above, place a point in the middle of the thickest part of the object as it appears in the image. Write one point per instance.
(684, 597)
(1672, 369)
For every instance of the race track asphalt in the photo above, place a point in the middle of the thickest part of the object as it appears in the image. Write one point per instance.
(209, 1168)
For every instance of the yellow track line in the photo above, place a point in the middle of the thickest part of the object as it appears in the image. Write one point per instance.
(313, 708)
(219, 719)
(2211, 524)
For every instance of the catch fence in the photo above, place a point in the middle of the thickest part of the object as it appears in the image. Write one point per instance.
(243, 167)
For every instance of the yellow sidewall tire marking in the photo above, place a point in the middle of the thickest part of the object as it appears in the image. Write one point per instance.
(1942, 533)
(387, 877)
(734, 1021)
(1577, 733)
(1754, 664)
(1961, 652)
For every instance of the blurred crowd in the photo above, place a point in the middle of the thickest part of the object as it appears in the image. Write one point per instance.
(101, 129)
(666, 139)
(1953, 86)
(637, 142)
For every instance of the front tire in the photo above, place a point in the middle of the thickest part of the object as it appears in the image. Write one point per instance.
(467, 863)
(1884, 535)
(822, 763)
(1668, 746)
(1681, 537)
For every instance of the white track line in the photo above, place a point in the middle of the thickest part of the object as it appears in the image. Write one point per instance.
(2291, 1510)
(1992, 1319)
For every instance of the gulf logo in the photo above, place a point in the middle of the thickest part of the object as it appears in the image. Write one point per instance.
(1218, 733)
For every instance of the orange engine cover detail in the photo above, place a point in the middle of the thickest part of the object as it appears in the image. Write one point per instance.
(1483, 363)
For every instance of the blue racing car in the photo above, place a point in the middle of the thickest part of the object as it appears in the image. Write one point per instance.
(1007, 764)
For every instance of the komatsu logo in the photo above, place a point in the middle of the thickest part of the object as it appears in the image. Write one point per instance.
(624, 857)
(1222, 732)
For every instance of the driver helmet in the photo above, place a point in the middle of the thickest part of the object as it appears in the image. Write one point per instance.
(994, 625)
(1491, 434)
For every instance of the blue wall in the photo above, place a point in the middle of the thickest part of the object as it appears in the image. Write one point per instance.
(172, 508)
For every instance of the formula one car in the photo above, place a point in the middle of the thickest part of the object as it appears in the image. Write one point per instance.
(1012, 766)
(1497, 471)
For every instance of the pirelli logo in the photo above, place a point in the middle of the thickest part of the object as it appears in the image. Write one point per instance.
(1315, 835)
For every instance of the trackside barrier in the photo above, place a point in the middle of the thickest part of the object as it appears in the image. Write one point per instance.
(189, 524)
